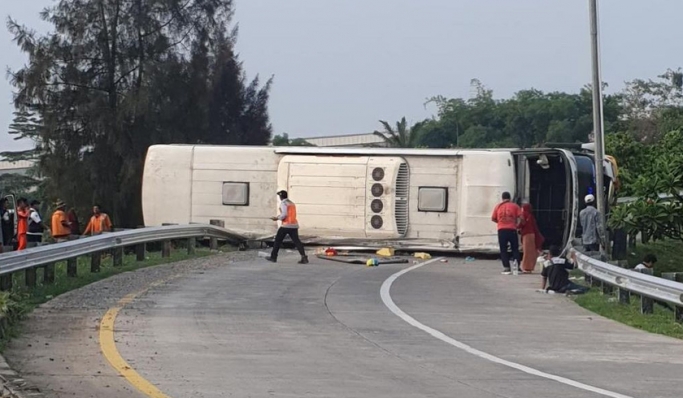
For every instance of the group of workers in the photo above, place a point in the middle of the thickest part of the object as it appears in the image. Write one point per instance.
(30, 226)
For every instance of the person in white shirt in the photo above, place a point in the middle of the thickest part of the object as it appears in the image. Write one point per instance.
(35, 224)
(648, 262)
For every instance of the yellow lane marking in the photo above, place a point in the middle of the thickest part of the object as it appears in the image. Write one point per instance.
(108, 345)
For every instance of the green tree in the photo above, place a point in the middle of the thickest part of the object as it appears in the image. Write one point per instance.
(284, 140)
(530, 118)
(117, 76)
(660, 173)
(402, 136)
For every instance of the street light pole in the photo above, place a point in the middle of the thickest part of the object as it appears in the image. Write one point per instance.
(597, 121)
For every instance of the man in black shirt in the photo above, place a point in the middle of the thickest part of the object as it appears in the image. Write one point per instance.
(556, 275)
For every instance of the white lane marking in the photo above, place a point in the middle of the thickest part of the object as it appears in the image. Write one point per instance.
(389, 303)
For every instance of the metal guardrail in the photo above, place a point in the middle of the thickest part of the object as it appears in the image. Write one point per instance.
(47, 255)
(629, 281)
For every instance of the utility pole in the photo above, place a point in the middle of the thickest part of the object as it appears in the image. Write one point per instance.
(597, 122)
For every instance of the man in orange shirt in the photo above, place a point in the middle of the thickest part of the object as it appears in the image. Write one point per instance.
(99, 222)
(290, 226)
(60, 226)
(22, 223)
(507, 215)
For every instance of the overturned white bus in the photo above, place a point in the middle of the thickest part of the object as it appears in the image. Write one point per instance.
(417, 199)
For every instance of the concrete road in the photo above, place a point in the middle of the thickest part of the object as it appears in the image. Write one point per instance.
(253, 329)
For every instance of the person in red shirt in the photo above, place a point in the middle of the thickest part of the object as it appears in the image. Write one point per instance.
(22, 223)
(507, 215)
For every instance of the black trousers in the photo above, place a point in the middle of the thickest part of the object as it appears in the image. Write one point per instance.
(34, 238)
(282, 232)
(505, 237)
(594, 247)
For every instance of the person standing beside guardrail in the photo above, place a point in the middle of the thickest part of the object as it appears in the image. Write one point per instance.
(60, 225)
(6, 222)
(590, 225)
(99, 222)
(35, 223)
(22, 223)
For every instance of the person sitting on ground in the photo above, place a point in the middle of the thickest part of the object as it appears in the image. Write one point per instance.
(556, 276)
(648, 262)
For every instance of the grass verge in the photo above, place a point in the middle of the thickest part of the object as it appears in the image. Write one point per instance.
(21, 300)
(660, 322)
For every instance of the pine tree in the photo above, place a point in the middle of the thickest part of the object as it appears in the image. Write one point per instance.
(117, 76)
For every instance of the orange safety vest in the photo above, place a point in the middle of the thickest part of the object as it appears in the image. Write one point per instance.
(59, 230)
(290, 219)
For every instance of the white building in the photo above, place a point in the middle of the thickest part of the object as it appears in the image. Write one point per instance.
(19, 167)
(352, 140)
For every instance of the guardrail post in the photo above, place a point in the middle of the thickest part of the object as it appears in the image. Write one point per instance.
(213, 242)
(49, 273)
(624, 296)
(191, 245)
(673, 276)
(166, 245)
(95, 262)
(140, 249)
(118, 257)
(72, 267)
(607, 288)
(30, 276)
(166, 249)
(676, 277)
(647, 305)
(6, 282)
(140, 252)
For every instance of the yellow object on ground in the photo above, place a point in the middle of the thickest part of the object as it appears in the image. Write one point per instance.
(386, 252)
(423, 256)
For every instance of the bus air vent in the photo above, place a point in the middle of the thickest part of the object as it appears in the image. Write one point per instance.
(377, 190)
(376, 206)
(401, 199)
(378, 174)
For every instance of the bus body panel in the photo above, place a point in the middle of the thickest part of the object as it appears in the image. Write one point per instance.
(333, 189)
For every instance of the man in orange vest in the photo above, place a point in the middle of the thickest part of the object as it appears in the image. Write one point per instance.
(99, 222)
(290, 226)
(60, 225)
(22, 223)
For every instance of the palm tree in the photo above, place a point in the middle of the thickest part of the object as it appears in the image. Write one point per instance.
(402, 136)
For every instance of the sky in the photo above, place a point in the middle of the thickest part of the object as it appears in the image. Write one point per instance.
(339, 66)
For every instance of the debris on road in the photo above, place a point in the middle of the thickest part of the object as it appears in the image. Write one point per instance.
(364, 260)
(422, 256)
(386, 252)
